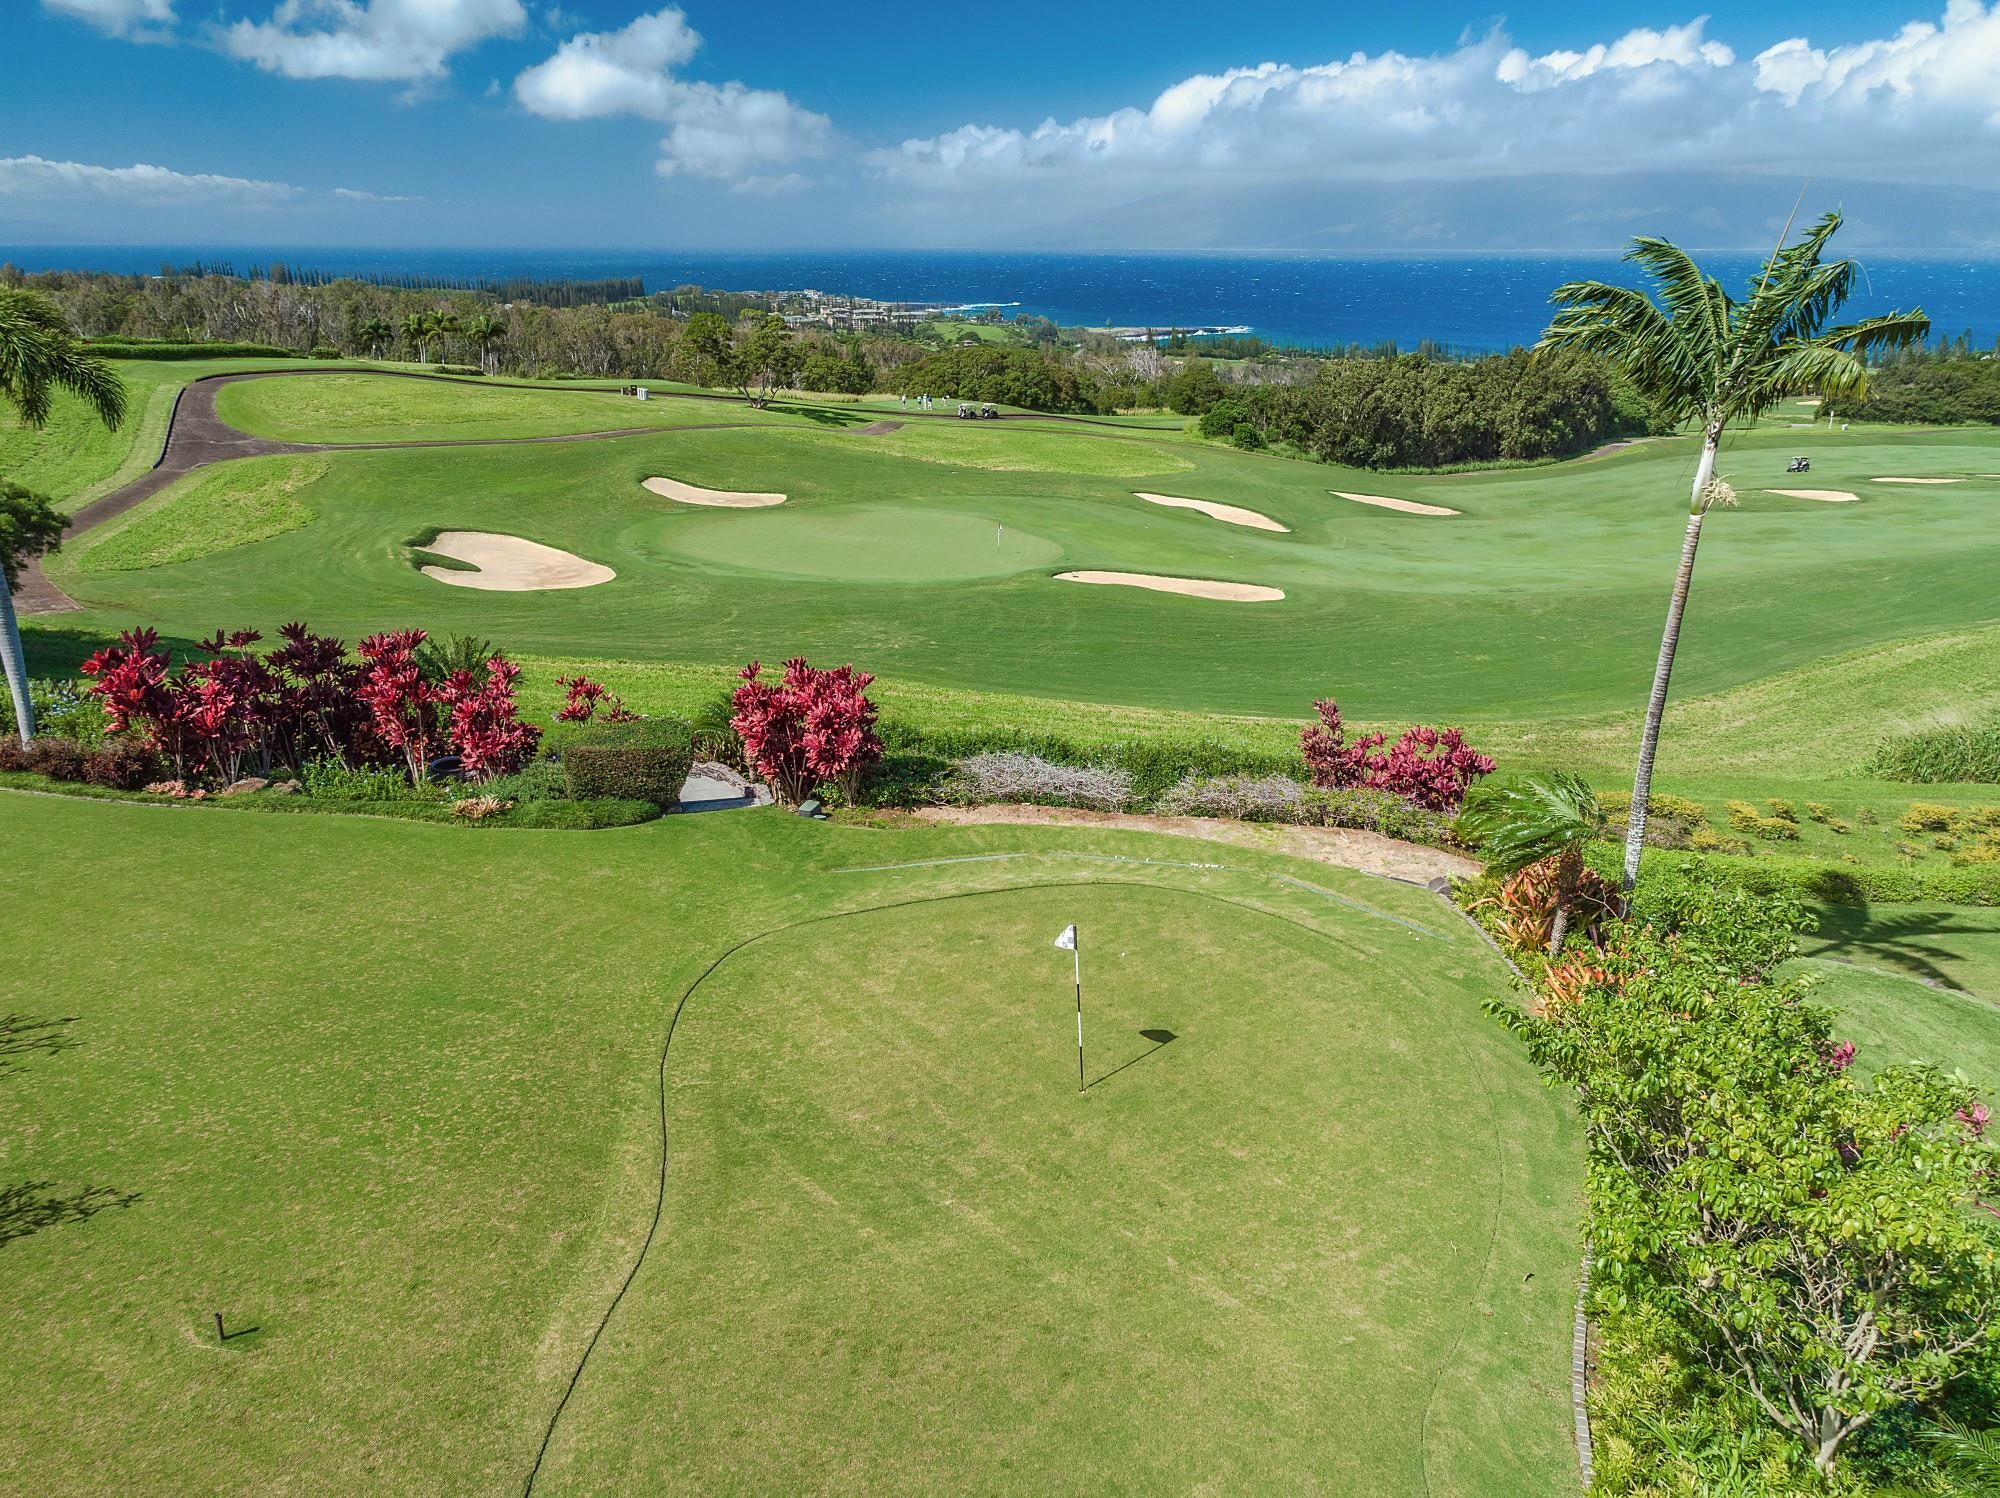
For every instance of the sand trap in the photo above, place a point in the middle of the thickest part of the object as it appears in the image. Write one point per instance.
(1811, 400)
(1193, 587)
(1917, 481)
(1232, 514)
(507, 564)
(1831, 496)
(688, 494)
(1407, 506)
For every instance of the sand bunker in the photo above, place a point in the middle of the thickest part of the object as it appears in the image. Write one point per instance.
(1811, 400)
(1407, 506)
(1193, 587)
(507, 564)
(1231, 514)
(1831, 496)
(688, 494)
(1918, 481)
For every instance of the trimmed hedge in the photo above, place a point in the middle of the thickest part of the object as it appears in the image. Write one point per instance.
(140, 348)
(643, 761)
(1840, 883)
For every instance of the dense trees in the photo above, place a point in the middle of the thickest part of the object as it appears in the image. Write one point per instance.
(1946, 390)
(1034, 378)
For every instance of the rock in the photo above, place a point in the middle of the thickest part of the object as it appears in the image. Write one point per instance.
(244, 786)
(287, 788)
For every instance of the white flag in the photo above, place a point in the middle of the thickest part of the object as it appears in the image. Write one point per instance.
(1067, 941)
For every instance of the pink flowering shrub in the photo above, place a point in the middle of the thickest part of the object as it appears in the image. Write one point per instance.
(584, 699)
(813, 727)
(1429, 767)
(485, 732)
(407, 711)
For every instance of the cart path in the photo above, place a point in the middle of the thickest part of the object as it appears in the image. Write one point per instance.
(197, 437)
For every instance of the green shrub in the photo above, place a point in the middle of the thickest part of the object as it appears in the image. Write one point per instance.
(1378, 811)
(1744, 817)
(1928, 816)
(646, 760)
(538, 780)
(331, 780)
(1819, 811)
(1618, 806)
(1858, 884)
(147, 348)
(62, 709)
(1784, 811)
(579, 816)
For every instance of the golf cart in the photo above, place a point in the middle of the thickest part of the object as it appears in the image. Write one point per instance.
(989, 412)
(964, 411)
(1799, 465)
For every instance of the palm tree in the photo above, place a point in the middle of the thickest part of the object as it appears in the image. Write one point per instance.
(39, 355)
(1698, 355)
(443, 326)
(417, 334)
(1541, 817)
(483, 332)
(376, 333)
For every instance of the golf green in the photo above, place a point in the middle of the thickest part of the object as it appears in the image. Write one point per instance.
(869, 544)
(388, 1097)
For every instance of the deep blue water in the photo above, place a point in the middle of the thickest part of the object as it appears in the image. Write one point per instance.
(1468, 302)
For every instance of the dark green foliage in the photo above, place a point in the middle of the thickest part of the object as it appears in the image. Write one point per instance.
(1222, 418)
(1847, 884)
(714, 736)
(1378, 811)
(143, 348)
(576, 816)
(1412, 412)
(1942, 392)
(1194, 390)
(1933, 756)
(1156, 764)
(645, 760)
(1022, 377)
(29, 527)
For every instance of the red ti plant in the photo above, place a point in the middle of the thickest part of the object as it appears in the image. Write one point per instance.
(585, 696)
(211, 716)
(316, 710)
(487, 736)
(407, 711)
(813, 726)
(1428, 767)
(131, 680)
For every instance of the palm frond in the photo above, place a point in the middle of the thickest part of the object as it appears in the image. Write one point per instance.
(1694, 300)
(1526, 821)
(1628, 328)
(1973, 1455)
(39, 355)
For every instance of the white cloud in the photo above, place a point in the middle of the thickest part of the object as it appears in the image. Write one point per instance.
(373, 40)
(362, 195)
(1918, 105)
(724, 131)
(32, 176)
(129, 18)
(767, 186)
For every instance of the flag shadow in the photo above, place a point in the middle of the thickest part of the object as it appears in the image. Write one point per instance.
(1161, 1039)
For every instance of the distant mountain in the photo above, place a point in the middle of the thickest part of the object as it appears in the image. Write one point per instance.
(1570, 213)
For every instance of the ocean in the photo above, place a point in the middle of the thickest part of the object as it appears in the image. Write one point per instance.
(1469, 303)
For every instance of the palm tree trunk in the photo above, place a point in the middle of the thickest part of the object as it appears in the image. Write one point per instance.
(1569, 871)
(15, 663)
(1656, 704)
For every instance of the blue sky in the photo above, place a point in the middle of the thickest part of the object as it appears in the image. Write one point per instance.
(600, 123)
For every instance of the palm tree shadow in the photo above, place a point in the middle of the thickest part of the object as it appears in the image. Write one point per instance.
(1913, 944)
(28, 1208)
(23, 1036)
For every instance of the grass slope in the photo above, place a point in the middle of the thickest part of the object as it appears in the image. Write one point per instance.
(400, 1119)
(213, 510)
(1892, 1019)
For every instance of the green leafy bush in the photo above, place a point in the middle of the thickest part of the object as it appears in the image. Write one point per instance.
(1618, 806)
(538, 780)
(331, 780)
(148, 348)
(1744, 817)
(62, 709)
(1927, 816)
(644, 760)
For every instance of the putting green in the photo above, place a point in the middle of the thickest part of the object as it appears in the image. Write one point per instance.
(859, 544)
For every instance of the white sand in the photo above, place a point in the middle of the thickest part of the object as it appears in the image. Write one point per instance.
(1918, 481)
(1232, 514)
(1831, 496)
(1811, 400)
(507, 564)
(1407, 506)
(688, 494)
(1193, 587)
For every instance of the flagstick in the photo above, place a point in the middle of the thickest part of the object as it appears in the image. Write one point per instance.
(1076, 952)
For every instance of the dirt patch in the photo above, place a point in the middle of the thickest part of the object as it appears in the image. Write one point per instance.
(1830, 496)
(1917, 481)
(878, 429)
(729, 499)
(1370, 852)
(1407, 506)
(1229, 514)
(1193, 587)
(507, 564)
